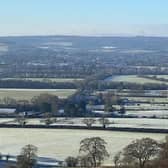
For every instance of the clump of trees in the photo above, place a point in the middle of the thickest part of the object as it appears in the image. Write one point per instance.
(46, 103)
(75, 108)
(143, 153)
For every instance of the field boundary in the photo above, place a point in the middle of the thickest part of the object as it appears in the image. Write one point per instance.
(124, 129)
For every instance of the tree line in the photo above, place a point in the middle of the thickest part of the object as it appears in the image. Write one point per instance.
(140, 153)
(29, 84)
(103, 85)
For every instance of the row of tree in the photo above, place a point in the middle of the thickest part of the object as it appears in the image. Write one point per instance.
(95, 84)
(140, 153)
(30, 84)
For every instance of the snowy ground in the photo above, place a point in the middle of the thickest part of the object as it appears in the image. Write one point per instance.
(114, 122)
(148, 113)
(61, 143)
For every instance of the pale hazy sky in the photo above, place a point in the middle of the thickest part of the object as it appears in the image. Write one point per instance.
(84, 17)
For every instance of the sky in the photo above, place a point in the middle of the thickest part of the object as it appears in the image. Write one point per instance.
(84, 17)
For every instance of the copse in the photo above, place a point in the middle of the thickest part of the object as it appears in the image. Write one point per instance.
(138, 153)
(46, 103)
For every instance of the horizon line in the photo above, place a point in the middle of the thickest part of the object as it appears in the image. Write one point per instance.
(83, 35)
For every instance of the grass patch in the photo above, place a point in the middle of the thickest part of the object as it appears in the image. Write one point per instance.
(28, 94)
(133, 79)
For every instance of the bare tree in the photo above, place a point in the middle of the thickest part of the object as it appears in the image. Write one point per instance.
(89, 122)
(94, 149)
(104, 121)
(141, 150)
(27, 157)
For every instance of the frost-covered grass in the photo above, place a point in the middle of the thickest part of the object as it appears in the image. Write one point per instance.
(160, 76)
(140, 123)
(3, 48)
(114, 122)
(146, 110)
(47, 79)
(28, 94)
(148, 113)
(144, 106)
(149, 99)
(133, 79)
(60, 143)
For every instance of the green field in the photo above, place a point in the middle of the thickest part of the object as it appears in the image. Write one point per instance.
(133, 79)
(28, 94)
(47, 79)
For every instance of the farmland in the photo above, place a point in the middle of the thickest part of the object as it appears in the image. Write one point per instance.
(62, 143)
(161, 76)
(136, 96)
(133, 79)
(113, 122)
(142, 103)
(3, 48)
(47, 79)
(27, 94)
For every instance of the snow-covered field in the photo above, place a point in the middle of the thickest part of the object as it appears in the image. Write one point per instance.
(146, 110)
(114, 122)
(60, 143)
(132, 79)
(148, 113)
(28, 94)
